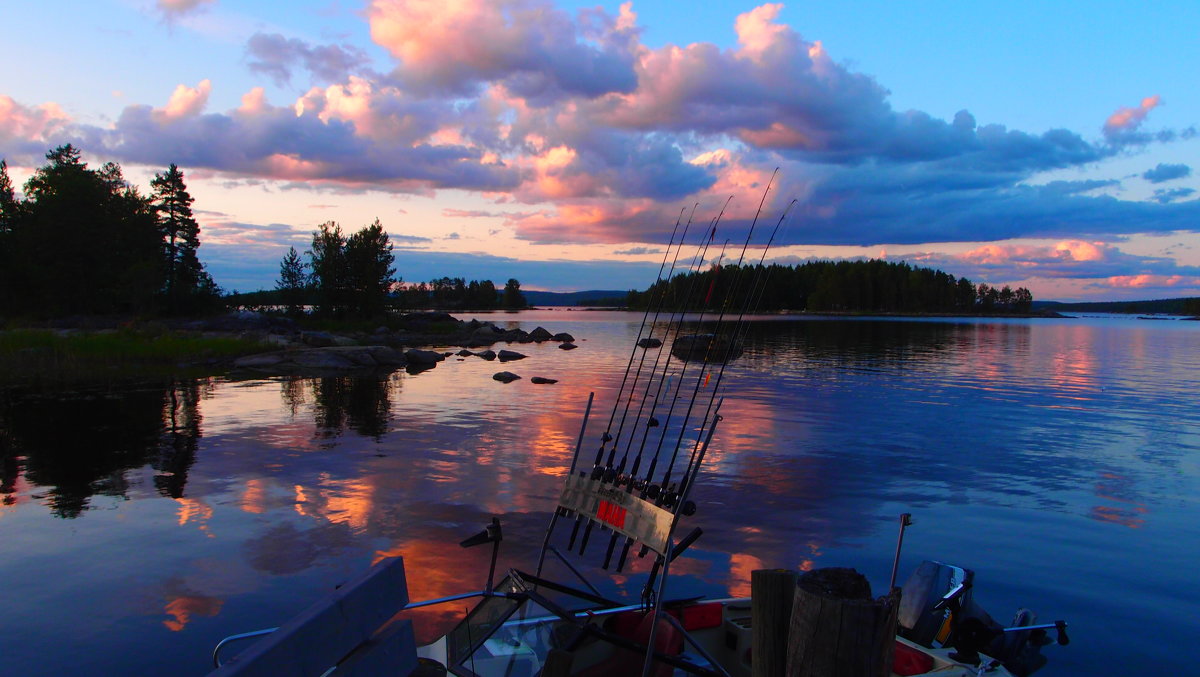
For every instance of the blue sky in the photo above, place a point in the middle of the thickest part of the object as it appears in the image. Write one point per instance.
(1046, 145)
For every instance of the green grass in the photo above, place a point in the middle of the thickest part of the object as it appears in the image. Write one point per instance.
(147, 351)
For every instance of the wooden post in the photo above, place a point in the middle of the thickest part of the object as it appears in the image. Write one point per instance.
(771, 592)
(837, 630)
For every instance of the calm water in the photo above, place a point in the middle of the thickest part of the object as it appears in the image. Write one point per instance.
(1057, 458)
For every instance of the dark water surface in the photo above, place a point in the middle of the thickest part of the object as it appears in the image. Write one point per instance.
(1057, 458)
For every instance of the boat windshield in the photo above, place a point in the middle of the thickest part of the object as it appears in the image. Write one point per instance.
(504, 636)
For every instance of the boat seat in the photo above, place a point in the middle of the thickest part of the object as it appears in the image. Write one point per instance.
(348, 628)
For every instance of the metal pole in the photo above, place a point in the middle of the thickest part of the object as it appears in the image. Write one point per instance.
(905, 521)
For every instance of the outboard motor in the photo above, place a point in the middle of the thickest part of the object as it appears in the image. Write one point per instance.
(928, 599)
(937, 609)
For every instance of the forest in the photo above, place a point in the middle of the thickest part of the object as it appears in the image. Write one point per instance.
(874, 286)
(84, 241)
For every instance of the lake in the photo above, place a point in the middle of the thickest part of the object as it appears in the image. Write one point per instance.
(1058, 458)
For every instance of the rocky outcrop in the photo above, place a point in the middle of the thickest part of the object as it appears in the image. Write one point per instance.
(322, 360)
(540, 334)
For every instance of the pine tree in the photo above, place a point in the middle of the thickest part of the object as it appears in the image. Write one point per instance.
(8, 201)
(293, 281)
(327, 266)
(185, 281)
(370, 275)
(513, 298)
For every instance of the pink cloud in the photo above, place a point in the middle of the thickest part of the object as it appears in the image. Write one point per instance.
(175, 8)
(1152, 281)
(30, 123)
(1126, 120)
(185, 102)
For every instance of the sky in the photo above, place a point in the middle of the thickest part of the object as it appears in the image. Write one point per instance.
(1046, 145)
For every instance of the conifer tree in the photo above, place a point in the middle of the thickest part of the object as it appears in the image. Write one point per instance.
(185, 280)
(293, 281)
(327, 266)
(513, 298)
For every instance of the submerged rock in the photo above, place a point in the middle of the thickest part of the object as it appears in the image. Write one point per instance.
(567, 346)
(649, 343)
(540, 380)
(505, 376)
(563, 336)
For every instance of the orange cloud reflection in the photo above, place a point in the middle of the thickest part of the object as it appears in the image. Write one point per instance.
(182, 608)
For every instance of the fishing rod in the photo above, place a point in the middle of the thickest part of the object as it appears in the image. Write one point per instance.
(716, 334)
(741, 328)
(607, 474)
(665, 494)
(606, 436)
(631, 481)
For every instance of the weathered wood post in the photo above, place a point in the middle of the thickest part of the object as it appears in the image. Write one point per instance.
(837, 630)
(771, 592)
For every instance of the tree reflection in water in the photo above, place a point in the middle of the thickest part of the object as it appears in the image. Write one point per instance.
(81, 443)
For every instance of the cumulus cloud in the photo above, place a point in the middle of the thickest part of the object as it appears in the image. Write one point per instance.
(25, 131)
(530, 46)
(185, 102)
(277, 57)
(1062, 260)
(172, 9)
(604, 139)
(1166, 172)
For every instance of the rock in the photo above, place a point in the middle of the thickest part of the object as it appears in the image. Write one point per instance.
(465, 353)
(541, 380)
(423, 357)
(387, 356)
(540, 334)
(505, 376)
(510, 355)
(344, 341)
(259, 361)
(649, 343)
(564, 337)
(488, 355)
(316, 339)
(567, 346)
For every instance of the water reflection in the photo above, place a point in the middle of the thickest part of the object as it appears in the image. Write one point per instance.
(259, 494)
(82, 444)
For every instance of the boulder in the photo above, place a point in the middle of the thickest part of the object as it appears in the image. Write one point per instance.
(316, 339)
(464, 353)
(564, 337)
(649, 343)
(386, 356)
(505, 376)
(415, 356)
(510, 355)
(488, 355)
(542, 380)
(540, 334)
(567, 346)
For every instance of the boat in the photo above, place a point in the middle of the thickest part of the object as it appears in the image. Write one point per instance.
(631, 502)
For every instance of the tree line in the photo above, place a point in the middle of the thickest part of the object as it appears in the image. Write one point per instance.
(85, 241)
(340, 276)
(833, 286)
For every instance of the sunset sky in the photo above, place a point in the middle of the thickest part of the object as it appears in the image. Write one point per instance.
(1046, 145)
